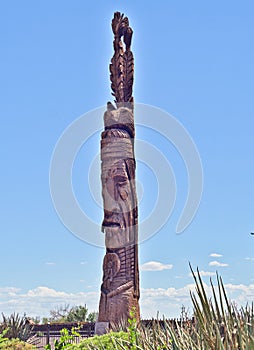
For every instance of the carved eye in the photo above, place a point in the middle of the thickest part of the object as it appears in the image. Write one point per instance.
(120, 180)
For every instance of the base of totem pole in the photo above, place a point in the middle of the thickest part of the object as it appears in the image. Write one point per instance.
(101, 328)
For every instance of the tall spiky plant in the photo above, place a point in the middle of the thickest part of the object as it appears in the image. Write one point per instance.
(219, 325)
(16, 326)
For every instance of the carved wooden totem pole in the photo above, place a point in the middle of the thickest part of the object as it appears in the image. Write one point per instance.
(120, 286)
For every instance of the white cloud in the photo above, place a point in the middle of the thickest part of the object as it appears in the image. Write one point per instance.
(216, 255)
(45, 292)
(8, 291)
(250, 259)
(204, 273)
(168, 301)
(155, 266)
(217, 263)
(39, 301)
(50, 263)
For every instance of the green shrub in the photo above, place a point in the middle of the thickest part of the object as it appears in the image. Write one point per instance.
(2, 336)
(108, 341)
(15, 344)
(65, 340)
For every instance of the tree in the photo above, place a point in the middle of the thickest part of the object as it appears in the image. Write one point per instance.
(60, 313)
(64, 313)
(92, 317)
(77, 314)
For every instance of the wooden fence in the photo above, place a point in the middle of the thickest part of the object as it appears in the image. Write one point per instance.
(43, 334)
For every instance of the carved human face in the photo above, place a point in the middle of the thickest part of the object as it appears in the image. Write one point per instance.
(119, 201)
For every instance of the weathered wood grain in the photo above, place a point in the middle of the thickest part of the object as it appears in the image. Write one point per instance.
(120, 285)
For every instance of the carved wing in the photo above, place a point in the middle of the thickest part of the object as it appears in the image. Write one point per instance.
(128, 75)
(117, 72)
(122, 63)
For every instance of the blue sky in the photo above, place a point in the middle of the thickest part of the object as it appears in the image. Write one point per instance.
(193, 60)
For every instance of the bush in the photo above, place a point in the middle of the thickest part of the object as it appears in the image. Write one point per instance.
(15, 344)
(65, 340)
(108, 341)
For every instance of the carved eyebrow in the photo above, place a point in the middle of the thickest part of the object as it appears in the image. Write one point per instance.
(127, 170)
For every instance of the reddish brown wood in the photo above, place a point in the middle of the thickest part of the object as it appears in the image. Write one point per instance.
(120, 286)
(122, 63)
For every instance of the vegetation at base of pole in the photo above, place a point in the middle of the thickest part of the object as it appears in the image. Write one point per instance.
(217, 325)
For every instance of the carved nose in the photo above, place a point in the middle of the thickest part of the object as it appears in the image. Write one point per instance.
(112, 208)
(110, 192)
(111, 204)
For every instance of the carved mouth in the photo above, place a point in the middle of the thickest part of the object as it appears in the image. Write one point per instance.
(110, 224)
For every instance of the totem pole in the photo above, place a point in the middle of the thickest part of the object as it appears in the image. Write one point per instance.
(120, 285)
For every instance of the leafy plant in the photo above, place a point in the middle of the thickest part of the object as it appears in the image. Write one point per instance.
(2, 336)
(132, 330)
(65, 340)
(15, 344)
(112, 340)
